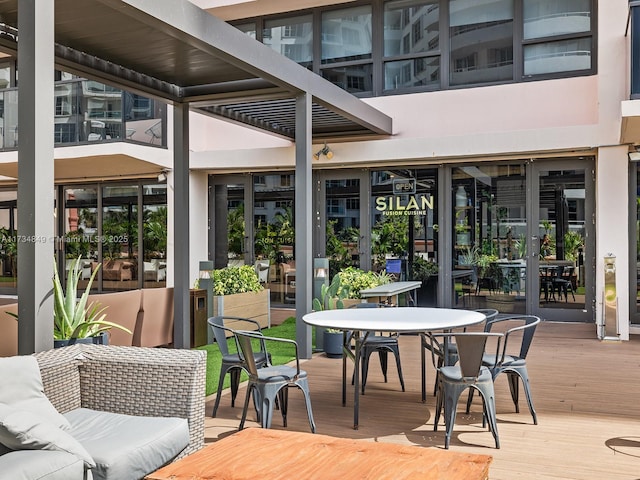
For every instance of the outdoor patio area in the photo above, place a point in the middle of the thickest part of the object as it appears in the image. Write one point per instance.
(588, 414)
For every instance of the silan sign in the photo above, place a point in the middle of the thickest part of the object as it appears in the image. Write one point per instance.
(404, 201)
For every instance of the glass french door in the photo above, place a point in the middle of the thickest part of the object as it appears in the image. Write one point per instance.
(338, 231)
(231, 225)
(561, 240)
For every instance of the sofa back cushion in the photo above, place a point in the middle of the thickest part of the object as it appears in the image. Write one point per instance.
(122, 308)
(22, 387)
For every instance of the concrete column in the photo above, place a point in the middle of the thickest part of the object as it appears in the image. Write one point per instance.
(304, 223)
(35, 175)
(182, 283)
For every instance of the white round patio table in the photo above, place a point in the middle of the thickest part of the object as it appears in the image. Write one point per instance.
(362, 321)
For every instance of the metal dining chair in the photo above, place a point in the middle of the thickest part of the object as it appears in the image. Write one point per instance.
(512, 357)
(452, 352)
(383, 344)
(232, 363)
(270, 385)
(468, 373)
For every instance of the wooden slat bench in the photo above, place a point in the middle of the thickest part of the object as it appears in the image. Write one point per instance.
(277, 454)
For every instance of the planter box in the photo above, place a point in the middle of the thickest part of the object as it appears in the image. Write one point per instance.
(253, 305)
(501, 302)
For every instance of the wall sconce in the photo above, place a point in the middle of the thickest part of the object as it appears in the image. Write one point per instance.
(162, 177)
(326, 151)
(634, 156)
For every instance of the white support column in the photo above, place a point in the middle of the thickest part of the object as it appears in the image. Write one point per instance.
(304, 223)
(612, 216)
(181, 327)
(35, 175)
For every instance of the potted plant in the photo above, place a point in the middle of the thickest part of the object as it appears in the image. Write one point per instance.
(331, 296)
(237, 291)
(73, 320)
(353, 280)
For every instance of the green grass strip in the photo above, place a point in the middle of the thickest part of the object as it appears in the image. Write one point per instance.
(281, 353)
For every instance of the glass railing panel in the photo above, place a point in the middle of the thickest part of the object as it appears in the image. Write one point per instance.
(86, 111)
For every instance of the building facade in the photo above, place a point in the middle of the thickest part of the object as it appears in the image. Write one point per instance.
(510, 171)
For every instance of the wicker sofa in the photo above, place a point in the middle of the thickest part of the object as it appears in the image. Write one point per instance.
(133, 381)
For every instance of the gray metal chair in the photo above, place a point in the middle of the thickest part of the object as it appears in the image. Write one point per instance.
(469, 373)
(269, 385)
(452, 352)
(231, 362)
(383, 344)
(511, 359)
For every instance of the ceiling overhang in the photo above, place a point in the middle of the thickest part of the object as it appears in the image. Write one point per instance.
(173, 50)
(90, 169)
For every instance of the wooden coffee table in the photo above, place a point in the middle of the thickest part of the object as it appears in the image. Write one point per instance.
(278, 454)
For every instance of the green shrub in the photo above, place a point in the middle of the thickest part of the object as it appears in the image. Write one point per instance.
(230, 280)
(352, 280)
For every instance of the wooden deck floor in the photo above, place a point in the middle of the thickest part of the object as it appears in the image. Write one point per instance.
(586, 394)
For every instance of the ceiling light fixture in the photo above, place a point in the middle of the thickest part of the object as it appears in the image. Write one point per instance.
(326, 151)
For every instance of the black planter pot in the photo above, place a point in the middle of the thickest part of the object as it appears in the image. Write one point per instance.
(332, 344)
(100, 339)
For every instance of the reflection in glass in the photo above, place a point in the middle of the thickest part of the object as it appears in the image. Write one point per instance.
(346, 34)
(563, 56)
(81, 230)
(481, 36)
(154, 220)
(274, 227)
(119, 237)
(545, 18)
(412, 73)
(343, 224)
(291, 37)
(353, 79)
(411, 27)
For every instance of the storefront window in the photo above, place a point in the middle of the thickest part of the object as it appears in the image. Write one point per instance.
(274, 227)
(489, 234)
(404, 227)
